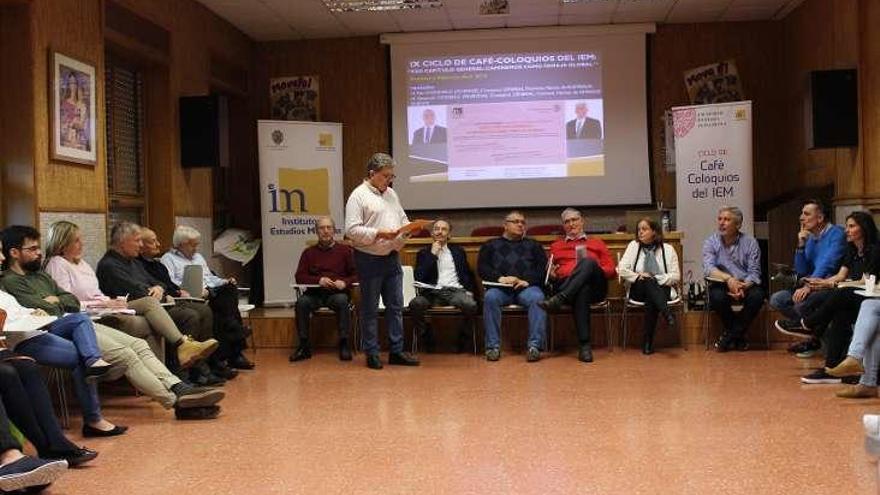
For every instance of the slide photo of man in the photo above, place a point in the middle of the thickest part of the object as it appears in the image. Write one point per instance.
(431, 132)
(582, 126)
(584, 138)
(427, 148)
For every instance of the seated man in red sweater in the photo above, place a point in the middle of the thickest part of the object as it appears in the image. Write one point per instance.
(329, 266)
(579, 274)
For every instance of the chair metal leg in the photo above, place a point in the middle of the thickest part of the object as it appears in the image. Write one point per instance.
(609, 332)
(57, 375)
(624, 317)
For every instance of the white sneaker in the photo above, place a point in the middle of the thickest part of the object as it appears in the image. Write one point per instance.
(872, 425)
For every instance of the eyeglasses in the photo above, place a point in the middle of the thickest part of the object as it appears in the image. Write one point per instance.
(31, 249)
(517, 221)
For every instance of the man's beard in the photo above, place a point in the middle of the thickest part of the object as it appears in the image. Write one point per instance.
(33, 266)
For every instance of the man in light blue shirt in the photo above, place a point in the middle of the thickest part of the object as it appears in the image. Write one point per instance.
(221, 293)
(732, 262)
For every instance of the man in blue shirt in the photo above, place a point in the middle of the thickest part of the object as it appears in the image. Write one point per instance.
(732, 262)
(820, 248)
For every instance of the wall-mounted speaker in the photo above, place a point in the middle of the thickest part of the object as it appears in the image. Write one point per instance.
(833, 109)
(204, 131)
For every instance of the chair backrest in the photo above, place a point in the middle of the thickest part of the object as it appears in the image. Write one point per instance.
(193, 280)
(421, 234)
(548, 229)
(409, 290)
(488, 231)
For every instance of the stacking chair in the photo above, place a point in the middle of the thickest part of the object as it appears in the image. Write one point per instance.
(707, 314)
(325, 312)
(440, 311)
(603, 306)
(629, 305)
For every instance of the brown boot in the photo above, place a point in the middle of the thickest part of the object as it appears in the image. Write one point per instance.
(857, 392)
(189, 351)
(847, 367)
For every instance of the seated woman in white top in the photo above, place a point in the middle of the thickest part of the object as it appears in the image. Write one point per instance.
(650, 268)
(64, 263)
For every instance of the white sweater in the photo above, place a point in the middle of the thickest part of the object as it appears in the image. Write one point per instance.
(629, 268)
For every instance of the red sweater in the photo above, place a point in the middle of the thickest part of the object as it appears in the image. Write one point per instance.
(335, 263)
(564, 255)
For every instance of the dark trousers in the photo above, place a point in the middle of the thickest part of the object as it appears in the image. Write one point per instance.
(29, 407)
(458, 298)
(736, 325)
(584, 286)
(840, 309)
(314, 299)
(228, 326)
(655, 297)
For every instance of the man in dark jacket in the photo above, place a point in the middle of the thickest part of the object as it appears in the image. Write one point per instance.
(443, 266)
(515, 266)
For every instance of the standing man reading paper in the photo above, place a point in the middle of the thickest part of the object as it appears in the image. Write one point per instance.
(378, 228)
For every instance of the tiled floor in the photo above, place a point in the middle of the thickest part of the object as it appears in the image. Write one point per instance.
(679, 421)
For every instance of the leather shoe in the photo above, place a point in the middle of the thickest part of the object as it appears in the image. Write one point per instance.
(585, 354)
(302, 353)
(92, 432)
(344, 351)
(93, 373)
(552, 304)
(184, 413)
(74, 457)
(373, 362)
(240, 363)
(402, 359)
(223, 371)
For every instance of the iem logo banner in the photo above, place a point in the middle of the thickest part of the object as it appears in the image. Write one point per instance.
(277, 137)
(325, 139)
(303, 191)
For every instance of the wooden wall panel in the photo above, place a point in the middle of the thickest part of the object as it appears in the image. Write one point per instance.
(354, 90)
(869, 17)
(75, 29)
(818, 35)
(16, 117)
(756, 49)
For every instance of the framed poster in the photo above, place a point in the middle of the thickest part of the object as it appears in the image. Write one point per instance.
(72, 117)
(295, 98)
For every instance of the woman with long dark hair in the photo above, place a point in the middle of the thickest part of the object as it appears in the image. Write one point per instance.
(650, 268)
(841, 308)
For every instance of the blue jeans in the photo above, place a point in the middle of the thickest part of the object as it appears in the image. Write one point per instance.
(495, 298)
(380, 275)
(782, 301)
(865, 345)
(70, 344)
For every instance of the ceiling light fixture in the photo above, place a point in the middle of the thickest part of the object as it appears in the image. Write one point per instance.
(379, 5)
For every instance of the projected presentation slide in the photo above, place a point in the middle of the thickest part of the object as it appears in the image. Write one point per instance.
(505, 116)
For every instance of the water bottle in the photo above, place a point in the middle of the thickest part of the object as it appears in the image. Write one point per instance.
(664, 221)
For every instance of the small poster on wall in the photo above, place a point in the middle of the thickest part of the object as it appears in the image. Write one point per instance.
(295, 98)
(713, 83)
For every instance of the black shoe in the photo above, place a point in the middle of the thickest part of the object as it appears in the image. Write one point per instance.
(301, 354)
(92, 432)
(585, 354)
(533, 355)
(552, 304)
(184, 413)
(30, 472)
(344, 351)
(208, 379)
(74, 457)
(795, 328)
(373, 362)
(223, 371)
(240, 363)
(819, 377)
(741, 344)
(93, 373)
(402, 359)
(724, 343)
(851, 379)
(647, 347)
